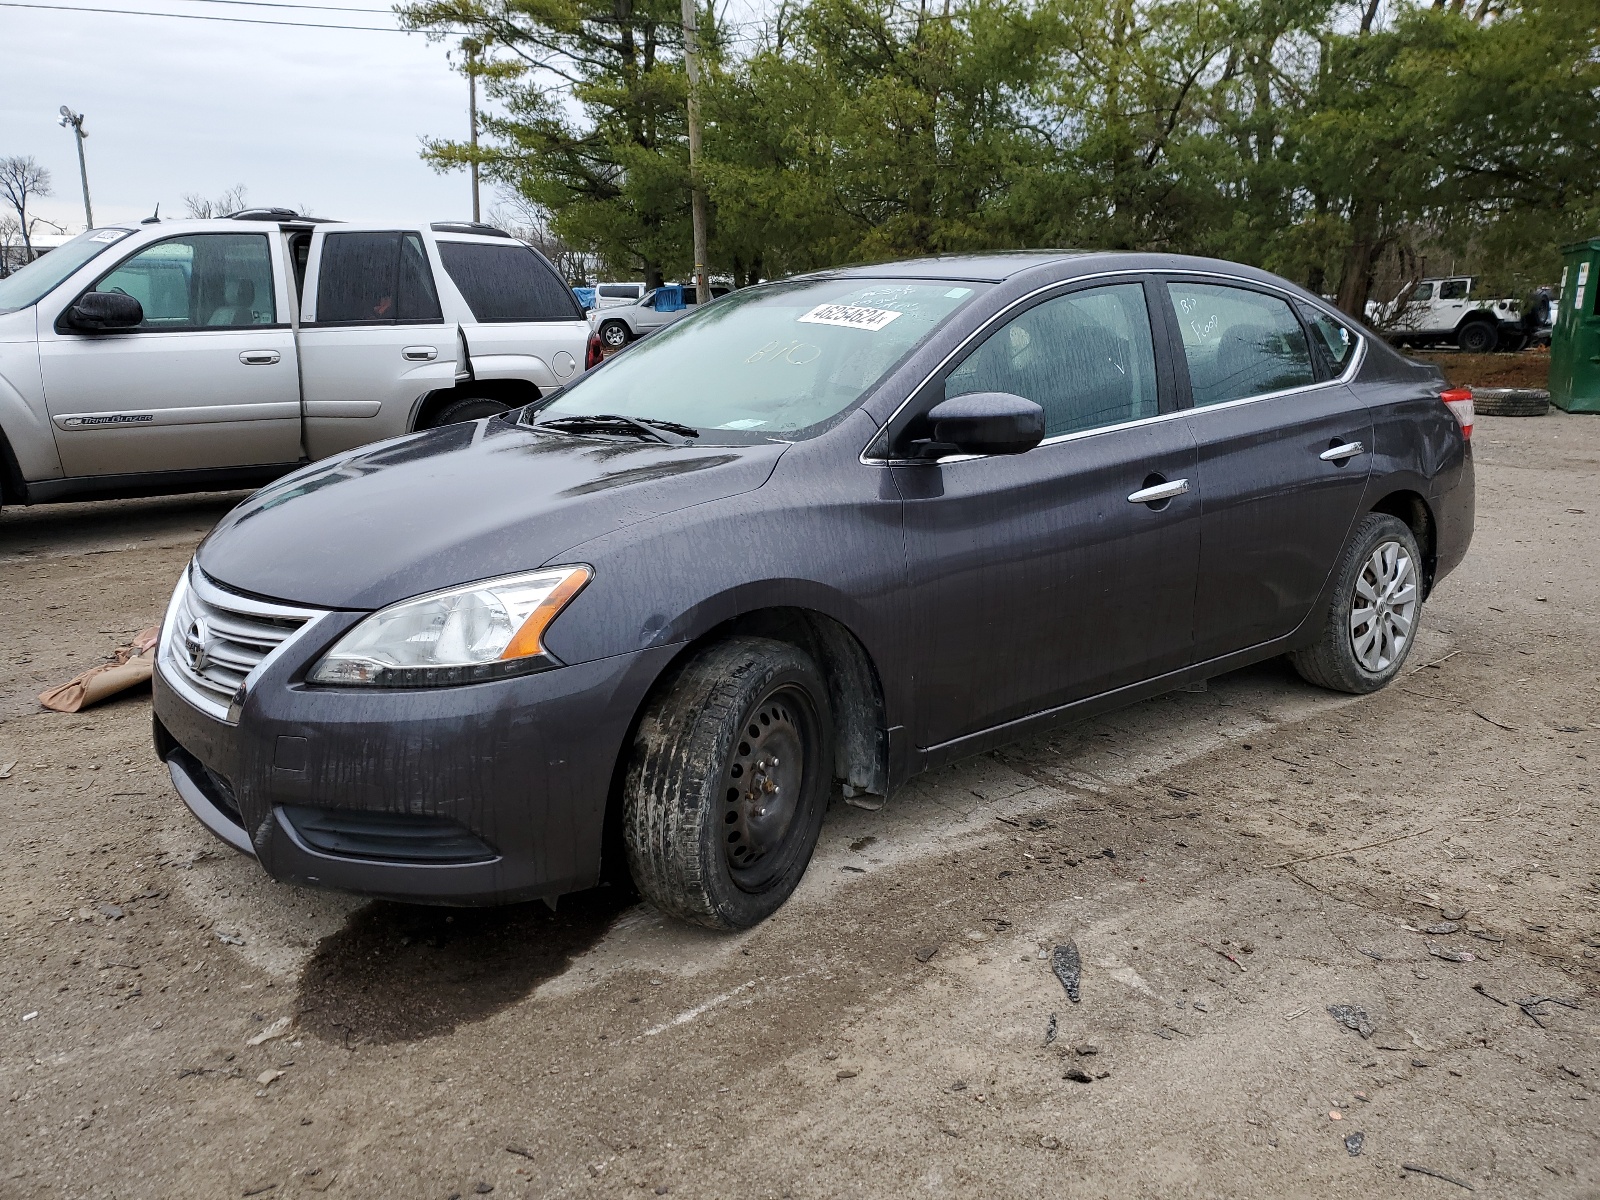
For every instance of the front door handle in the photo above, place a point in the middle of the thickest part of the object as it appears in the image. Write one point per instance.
(259, 358)
(421, 353)
(1160, 492)
(1340, 453)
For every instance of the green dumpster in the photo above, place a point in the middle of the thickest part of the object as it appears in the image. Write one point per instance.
(1575, 340)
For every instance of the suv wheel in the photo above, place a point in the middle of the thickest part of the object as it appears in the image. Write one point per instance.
(1478, 337)
(468, 408)
(614, 334)
(728, 781)
(1377, 603)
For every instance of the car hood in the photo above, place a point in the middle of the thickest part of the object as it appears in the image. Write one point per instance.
(457, 504)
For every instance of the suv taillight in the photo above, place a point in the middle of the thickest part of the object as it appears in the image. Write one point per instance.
(1459, 402)
(596, 353)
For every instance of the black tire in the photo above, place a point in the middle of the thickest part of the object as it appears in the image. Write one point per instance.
(614, 335)
(703, 843)
(468, 408)
(1477, 337)
(1510, 402)
(1334, 661)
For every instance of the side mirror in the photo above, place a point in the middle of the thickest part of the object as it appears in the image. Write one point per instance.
(104, 312)
(982, 423)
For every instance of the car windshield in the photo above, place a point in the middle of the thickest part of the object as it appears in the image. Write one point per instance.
(38, 279)
(779, 361)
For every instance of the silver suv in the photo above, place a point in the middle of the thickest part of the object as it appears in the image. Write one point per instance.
(180, 356)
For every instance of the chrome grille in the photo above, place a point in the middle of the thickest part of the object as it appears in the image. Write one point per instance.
(213, 640)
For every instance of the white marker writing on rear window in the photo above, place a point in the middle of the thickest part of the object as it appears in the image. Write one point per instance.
(849, 316)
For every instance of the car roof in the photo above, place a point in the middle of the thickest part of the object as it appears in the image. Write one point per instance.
(999, 266)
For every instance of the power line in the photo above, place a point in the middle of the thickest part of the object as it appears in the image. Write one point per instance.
(131, 12)
(377, 12)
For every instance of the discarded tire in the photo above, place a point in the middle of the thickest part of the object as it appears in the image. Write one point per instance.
(1510, 402)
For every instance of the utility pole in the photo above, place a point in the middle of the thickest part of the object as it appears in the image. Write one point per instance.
(472, 48)
(697, 195)
(75, 120)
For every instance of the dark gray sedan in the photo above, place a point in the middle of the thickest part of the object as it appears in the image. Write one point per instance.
(818, 537)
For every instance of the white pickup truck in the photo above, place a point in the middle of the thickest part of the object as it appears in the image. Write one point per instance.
(179, 356)
(1454, 311)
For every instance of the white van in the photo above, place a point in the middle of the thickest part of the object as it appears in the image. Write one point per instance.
(178, 356)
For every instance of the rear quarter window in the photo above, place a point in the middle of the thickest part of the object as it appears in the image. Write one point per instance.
(507, 283)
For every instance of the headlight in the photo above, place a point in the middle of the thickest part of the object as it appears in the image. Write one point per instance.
(479, 631)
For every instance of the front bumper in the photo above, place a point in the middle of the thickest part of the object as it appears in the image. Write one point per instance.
(520, 767)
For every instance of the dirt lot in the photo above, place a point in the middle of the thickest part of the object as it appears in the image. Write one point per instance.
(1229, 862)
(1524, 369)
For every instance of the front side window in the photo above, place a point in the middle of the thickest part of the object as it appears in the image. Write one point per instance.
(1421, 293)
(507, 283)
(1239, 343)
(777, 361)
(206, 281)
(1454, 289)
(375, 279)
(1086, 358)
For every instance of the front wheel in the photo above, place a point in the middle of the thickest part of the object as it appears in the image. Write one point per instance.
(1377, 604)
(468, 408)
(613, 335)
(727, 785)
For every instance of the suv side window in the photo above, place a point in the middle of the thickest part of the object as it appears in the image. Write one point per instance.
(375, 279)
(1421, 293)
(1454, 289)
(204, 281)
(1239, 343)
(507, 283)
(1087, 358)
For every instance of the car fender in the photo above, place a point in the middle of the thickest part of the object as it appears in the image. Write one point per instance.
(24, 419)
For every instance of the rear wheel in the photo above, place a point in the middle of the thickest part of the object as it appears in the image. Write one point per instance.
(1477, 337)
(468, 408)
(1377, 604)
(728, 782)
(614, 335)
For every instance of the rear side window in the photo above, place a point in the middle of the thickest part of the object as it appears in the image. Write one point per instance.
(621, 291)
(1331, 341)
(1239, 343)
(1086, 358)
(1454, 289)
(375, 279)
(208, 281)
(507, 283)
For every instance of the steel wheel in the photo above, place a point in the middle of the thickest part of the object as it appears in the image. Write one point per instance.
(763, 783)
(1384, 607)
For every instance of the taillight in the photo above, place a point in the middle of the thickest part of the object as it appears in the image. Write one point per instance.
(596, 353)
(1459, 402)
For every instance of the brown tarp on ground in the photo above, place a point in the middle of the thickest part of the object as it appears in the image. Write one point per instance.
(130, 666)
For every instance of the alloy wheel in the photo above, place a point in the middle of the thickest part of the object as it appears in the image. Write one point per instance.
(1384, 607)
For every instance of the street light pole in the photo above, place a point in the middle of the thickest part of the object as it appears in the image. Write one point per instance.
(471, 48)
(75, 120)
(697, 194)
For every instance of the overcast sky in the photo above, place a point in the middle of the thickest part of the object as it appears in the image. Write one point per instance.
(318, 117)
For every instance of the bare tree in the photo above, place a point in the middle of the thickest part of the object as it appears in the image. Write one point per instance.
(202, 208)
(527, 222)
(23, 180)
(10, 232)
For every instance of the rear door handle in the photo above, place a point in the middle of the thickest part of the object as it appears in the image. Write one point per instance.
(1340, 453)
(1161, 491)
(421, 353)
(259, 358)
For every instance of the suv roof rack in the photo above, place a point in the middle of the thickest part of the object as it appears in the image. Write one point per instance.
(272, 214)
(468, 227)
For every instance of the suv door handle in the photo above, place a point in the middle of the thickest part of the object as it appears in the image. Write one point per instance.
(1160, 492)
(259, 358)
(420, 353)
(1340, 453)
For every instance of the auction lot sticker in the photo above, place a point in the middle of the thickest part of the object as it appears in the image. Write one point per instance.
(849, 316)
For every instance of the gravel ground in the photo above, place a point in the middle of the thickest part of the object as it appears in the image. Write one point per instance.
(1229, 863)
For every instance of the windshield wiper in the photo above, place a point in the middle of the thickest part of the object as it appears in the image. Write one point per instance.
(671, 433)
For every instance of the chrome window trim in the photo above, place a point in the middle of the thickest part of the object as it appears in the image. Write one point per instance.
(1140, 272)
(194, 580)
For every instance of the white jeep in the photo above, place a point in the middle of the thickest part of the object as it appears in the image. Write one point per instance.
(1452, 311)
(173, 356)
